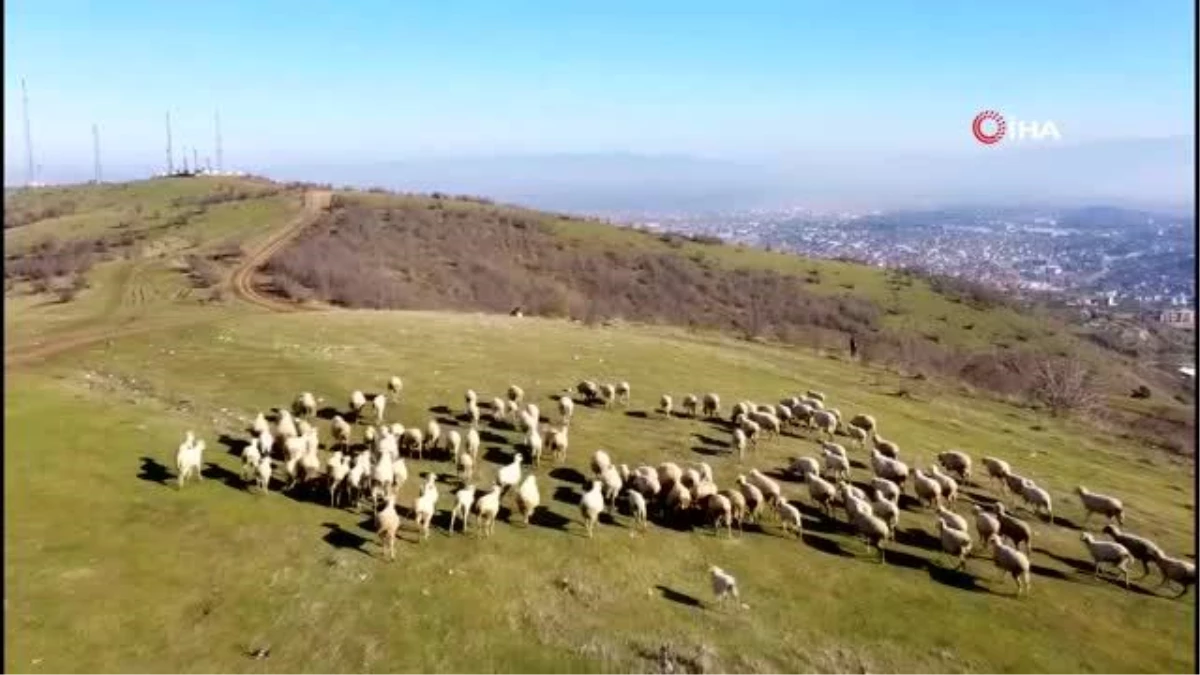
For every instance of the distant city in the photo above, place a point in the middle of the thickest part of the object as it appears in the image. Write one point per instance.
(1099, 255)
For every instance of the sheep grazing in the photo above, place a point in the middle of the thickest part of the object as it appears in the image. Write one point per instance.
(887, 448)
(1108, 553)
(928, 490)
(997, 469)
(488, 506)
(515, 393)
(425, 505)
(802, 467)
(690, 405)
(566, 409)
(864, 422)
(872, 528)
(724, 586)
(188, 458)
(413, 440)
(720, 510)
(891, 469)
(957, 462)
(379, 403)
(710, 405)
(822, 492)
(387, 524)
(955, 542)
(305, 405)
(464, 498)
(739, 442)
(557, 442)
(1038, 498)
(752, 496)
(1012, 561)
(985, 524)
(394, 386)
(259, 425)
(591, 505)
(473, 442)
(1143, 550)
(528, 497)
(664, 405)
(623, 393)
(357, 401)
(1094, 502)
(1177, 570)
(588, 390)
(1013, 528)
(637, 506)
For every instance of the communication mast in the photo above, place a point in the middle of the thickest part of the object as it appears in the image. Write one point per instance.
(170, 157)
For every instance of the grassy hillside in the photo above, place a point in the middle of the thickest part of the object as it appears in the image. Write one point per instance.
(109, 567)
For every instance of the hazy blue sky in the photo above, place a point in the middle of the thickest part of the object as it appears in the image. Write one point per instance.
(354, 80)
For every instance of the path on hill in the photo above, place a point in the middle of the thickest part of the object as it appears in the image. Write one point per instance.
(241, 282)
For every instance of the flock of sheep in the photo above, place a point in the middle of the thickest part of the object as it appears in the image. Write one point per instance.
(670, 492)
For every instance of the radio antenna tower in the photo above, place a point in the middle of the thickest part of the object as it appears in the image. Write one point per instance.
(96, 151)
(217, 126)
(195, 160)
(29, 169)
(170, 157)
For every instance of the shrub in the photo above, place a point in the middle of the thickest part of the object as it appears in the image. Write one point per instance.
(1140, 391)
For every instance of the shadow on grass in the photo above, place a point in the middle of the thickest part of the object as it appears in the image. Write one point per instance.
(496, 455)
(544, 517)
(218, 472)
(900, 558)
(154, 471)
(825, 545)
(707, 450)
(710, 440)
(328, 413)
(918, 538)
(681, 598)
(566, 495)
(781, 475)
(440, 410)
(339, 537)
(486, 436)
(235, 446)
(960, 579)
(1067, 523)
(854, 463)
(568, 475)
(639, 414)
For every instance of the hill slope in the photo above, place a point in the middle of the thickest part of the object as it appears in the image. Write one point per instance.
(109, 567)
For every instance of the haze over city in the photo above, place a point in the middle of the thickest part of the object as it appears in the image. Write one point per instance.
(671, 106)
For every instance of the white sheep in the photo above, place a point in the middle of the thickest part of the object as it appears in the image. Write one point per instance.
(591, 505)
(473, 413)
(600, 462)
(739, 442)
(1011, 561)
(499, 410)
(250, 456)
(337, 467)
(557, 442)
(669, 473)
(425, 506)
(637, 506)
(357, 401)
(957, 461)
(889, 449)
(872, 528)
(488, 506)
(285, 426)
(188, 458)
(473, 442)
(387, 522)
(985, 524)
(864, 422)
(836, 465)
(395, 386)
(887, 510)
(752, 496)
(665, 405)
(1142, 549)
(770, 488)
(305, 405)
(515, 393)
(822, 492)
(1013, 528)
(611, 477)
(927, 489)
(340, 429)
(1094, 502)
(948, 484)
(260, 425)
(955, 542)
(453, 442)
(510, 474)
(608, 393)
(858, 435)
(690, 405)
(825, 422)
(802, 467)
(711, 405)
(997, 469)
(471, 397)
(1177, 570)
(1108, 553)
(1038, 498)
(464, 499)
(789, 517)
(413, 440)
(720, 510)
(623, 393)
(588, 390)
(380, 404)
(951, 518)
(265, 469)
(566, 409)
(891, 469)
(724, 586)
(465, 466)
(433, 434)
(886, 488)
(528, 497)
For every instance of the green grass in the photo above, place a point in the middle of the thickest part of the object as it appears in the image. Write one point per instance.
(108, 568)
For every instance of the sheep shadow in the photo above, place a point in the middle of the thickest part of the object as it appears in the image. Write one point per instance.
(568, 475)
(235, 446)
(218, 472)
(639, 414)
(543, 517)
(681, 598)
(825, 545)
(707, 450)
(709, 440)
(486, 436)
(907, 502)
(1049, 572)
(440, 410)
(959, 579)
(447, 421)
(898, 558)
(854, 463)
(566, 495)
(1067, 523)
(607, 518)
(328, 412)
(1087, 569)
(817, 521)
(918, 538)
(496, 455)
(780, 474)
(154, 471)
(979, 497)
(339, 537)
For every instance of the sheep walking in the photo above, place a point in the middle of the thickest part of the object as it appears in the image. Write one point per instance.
(557, 442)
(956, 461)
(997, 469)
(1094, 502)
(948, 484)
(425, 506)
(394, 387)
(188, 458)
(864, 422)
(955, 542)
(710, 405)
(985, 525)
(1176, 570)
(1011, 562)
(488, 506)
(379, 403)
(591, 505)
(465, 466)
(1038, 498)
(433, 434)
(1108, 553)
(789, 518)
(608, 394)
(464, 499)
(928, 490)
(637, 507)
(1142, 549)
(263, 475)
(358, 401)
(739, 442)
(387, 522)
(623, 393)
(566, 409)
(724, 586)
(305, 405)
(515, 394)
(1013, 528)
(528, 497)
(473, 442)
(665, 405)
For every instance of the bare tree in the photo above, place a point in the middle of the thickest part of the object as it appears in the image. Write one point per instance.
(1064, 385)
